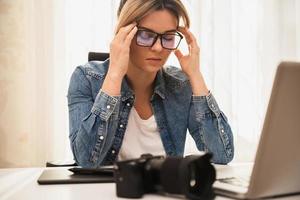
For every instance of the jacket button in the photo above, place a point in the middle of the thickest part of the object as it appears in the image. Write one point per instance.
(113, 151)
(101, 137)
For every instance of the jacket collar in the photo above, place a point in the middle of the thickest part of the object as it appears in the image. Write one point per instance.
(159, 87)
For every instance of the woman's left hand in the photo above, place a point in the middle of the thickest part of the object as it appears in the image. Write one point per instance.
(190, 63)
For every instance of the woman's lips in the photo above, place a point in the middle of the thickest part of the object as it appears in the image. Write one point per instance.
(154, 59)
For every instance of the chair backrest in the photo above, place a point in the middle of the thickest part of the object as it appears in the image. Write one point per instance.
(99, 56)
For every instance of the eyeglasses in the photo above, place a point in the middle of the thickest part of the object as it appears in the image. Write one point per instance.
(168, 40)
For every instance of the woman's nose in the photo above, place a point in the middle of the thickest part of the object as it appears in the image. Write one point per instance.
(157, 45)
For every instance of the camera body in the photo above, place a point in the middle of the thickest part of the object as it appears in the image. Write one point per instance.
(132, 178)
(191, 176)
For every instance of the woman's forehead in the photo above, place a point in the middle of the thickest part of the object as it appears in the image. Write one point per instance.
(159, 21)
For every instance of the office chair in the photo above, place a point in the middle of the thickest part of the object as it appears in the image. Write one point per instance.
(99, 56)
(92, 56)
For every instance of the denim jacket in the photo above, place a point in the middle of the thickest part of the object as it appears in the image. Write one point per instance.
(97, 121)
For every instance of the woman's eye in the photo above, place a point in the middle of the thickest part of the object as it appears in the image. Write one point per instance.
(169, 37)
(146, 34)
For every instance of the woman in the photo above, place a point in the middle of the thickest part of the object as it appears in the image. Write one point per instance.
(130, 104)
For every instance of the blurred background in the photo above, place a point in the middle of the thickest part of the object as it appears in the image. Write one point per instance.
(42, 41)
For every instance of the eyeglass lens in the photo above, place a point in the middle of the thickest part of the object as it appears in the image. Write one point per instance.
(168, 40)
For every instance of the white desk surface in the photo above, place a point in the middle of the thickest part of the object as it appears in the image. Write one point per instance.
(21, 183)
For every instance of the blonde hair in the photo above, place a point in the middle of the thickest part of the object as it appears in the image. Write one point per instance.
(134, 10)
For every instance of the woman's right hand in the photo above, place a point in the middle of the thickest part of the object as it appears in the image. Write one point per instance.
(119, 51)
(118, 59)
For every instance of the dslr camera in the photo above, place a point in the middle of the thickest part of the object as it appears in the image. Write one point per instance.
(191, 176)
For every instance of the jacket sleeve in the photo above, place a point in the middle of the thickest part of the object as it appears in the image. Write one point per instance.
(90, 120)
(209, 128)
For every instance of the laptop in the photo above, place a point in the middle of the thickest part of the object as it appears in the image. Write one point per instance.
(276, 169)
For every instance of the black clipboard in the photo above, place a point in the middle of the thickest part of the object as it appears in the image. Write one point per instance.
(76, 175)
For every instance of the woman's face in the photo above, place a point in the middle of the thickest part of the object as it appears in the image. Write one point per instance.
(151, 59)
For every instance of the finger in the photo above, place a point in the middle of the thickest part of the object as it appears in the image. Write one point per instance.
(124, 31)
(178, 54)
(130, 36)
(186, 34)
(192, 35)
(190, 38)
(195, 42)
(192, 41)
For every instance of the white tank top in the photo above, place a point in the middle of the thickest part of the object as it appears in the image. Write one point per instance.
(141, 136)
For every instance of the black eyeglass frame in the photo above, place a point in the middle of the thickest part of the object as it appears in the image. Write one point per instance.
(160, 36)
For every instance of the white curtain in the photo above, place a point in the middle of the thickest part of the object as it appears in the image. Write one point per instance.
(242, 42)
(27, 80)
(41, 42)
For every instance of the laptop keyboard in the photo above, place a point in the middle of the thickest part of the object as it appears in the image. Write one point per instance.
(237, 181)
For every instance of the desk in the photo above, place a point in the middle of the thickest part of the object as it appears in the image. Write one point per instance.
(22, 184)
